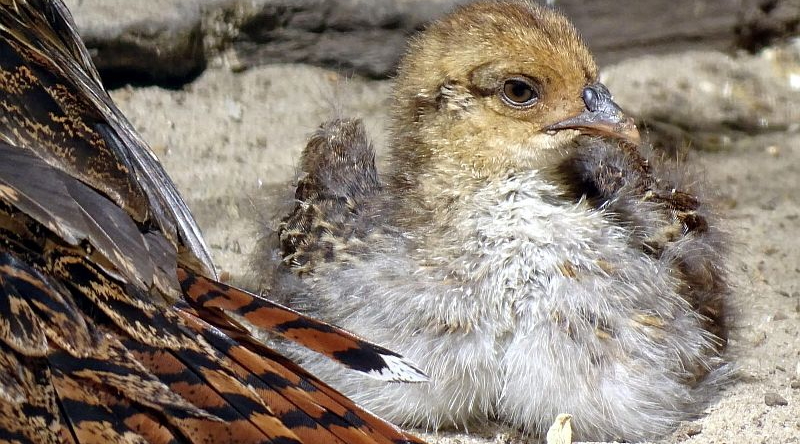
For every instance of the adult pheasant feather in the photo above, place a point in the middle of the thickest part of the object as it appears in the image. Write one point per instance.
(112, 326)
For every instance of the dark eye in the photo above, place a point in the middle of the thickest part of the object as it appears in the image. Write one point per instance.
(519, 93)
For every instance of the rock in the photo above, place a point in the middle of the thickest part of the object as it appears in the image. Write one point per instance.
(171, 41)
(158, 41)
(690, 429)
(351, 36)
(773, 399)
(693, 429)
(616, 30)
(763, 22)
(711, 99)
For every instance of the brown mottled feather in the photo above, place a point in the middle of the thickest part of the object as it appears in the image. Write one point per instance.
(340, 177)
(112, 327)
(53, 104)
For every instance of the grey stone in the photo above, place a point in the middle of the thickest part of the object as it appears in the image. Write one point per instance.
(620, 29)
(352, 36)
(164, 41)
(762, 22)
(172, 40)
(709, 100)
(155, 41)
(773, 399)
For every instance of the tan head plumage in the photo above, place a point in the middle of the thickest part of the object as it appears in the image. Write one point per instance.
(480, 89)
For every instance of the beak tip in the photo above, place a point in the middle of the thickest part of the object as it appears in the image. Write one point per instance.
(629, 131)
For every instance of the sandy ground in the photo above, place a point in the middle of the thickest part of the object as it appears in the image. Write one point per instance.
(230, 139)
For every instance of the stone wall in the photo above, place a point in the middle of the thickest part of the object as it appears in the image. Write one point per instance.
(172, 41)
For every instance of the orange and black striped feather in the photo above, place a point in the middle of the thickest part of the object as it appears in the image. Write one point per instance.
(331, 341)
(288, 390)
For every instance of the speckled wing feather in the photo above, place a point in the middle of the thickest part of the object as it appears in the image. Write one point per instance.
(331, 219)
(110, 329)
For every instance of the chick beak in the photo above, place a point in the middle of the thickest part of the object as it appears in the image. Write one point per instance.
(601, 117)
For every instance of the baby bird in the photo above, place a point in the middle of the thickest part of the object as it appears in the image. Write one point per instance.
(113, 328)
(520, 248)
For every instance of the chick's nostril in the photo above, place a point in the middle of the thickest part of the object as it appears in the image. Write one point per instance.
(590, 98)
(597, 98)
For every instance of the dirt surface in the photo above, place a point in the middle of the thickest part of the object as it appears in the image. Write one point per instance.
(230, 139)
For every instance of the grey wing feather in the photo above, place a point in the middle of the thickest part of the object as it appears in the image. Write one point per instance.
(334, 199)
(75, 212)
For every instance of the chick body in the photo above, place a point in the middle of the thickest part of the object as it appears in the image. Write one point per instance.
(529, 271)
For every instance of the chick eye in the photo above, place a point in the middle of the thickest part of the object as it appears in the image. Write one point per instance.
(519, 93)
